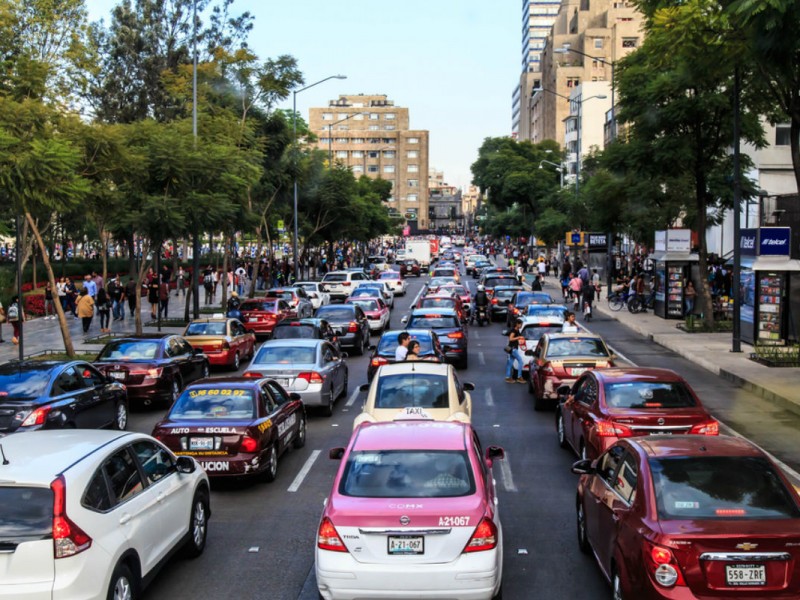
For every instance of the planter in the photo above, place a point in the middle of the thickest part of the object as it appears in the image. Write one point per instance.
(774, 355)
(58, 355)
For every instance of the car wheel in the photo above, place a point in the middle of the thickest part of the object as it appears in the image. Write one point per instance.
(499, 594)
(121, 416)
(198, 526)
(123, 586)
(300, 438)
(327, 410)
(271, 470)
(583, 540)
(562, 434)
(359, 347)
(616, 585)
(464, 363)
(237, 362)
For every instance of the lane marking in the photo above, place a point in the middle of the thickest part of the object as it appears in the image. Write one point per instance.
(481, 359)
(304, 471)
(353, 397)
(507, 477)
(476, 334)
(489, 397)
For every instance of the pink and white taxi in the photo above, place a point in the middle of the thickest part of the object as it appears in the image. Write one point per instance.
(412, 514)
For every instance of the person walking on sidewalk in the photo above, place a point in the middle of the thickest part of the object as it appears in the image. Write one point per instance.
(72, 296)
(588, 295)
(180, 282)
(61, 292)
(131, 290)
(575, 287)
(689, 295)
(116, 295)
(152, 296)
(515, 338)
(15, 315)
(163, 299)
(49, 304)
(85, 306)
(90, 286)
(103, 304)
(2, 320)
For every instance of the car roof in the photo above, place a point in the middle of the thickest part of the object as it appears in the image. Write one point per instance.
(534, 320)
(38, 457)
(33, 365)
(662, 446)
(499, 288)
(431, 310)
(632, 374)
(410, 435)
(421, 366)
(213, 320)
(295, 342)
(412, 332)
(572, 336)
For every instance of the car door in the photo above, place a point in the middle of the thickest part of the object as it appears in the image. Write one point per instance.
(195, 361)
(614, 509)
(79, 404)
(599, 484)
(104, 397)
(363, 323)
(335, 363)
(239, 338)
(578, 407)
(536, 372)
(284, 415)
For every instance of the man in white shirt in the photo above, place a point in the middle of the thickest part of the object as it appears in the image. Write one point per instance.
(402, 346)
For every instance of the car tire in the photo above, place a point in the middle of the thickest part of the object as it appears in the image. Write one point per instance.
(120, 416)
(580, 523)
(327, 409)
(359, 347)
(237, 362)
(464, 364)
(271, 469)
(300, 438)
(560, 430)
(124, 584)
(198, 526)
(499, 594)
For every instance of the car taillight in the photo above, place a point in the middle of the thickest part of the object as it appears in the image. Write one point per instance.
(353, 327)
(345, 283)
(253, 374)
(455, 335)
(611, 429)
(151, 373)
(484, 537)
(708, 428)
(328, 538)
(377, 362)
(663, 565)
(248, 444)
(494, 300)
(311, 377)
(68, 538)
(37, 417)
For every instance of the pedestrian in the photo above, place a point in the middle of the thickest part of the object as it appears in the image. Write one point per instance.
(180, 282)
(2, 320)
(569, 326)
(575, 287)
(85, 307)
(588, 295)
(596, 280)
(689, 296)
(49, 304)
(413, 351)
(115, 295)
(61, 292)
(152, 296)
(565, 286)
(640, 292)
(163, 299)
(103, 304)
(520, 273)
(515, 338)
(131, 292)
(208, 285)
(541, 267)
(15, 315)
(401, 351)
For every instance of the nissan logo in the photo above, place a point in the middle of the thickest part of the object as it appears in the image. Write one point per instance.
(404, 520)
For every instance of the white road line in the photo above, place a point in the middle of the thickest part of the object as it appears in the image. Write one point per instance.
(489, 397)
(505, 473)
(352, 397)
(304, 471)
(481, 359)
(476, 334)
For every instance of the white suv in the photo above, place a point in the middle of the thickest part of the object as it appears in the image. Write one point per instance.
(93, 514)
(340, 284)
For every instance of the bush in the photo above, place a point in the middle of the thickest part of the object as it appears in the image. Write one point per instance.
(34, 304)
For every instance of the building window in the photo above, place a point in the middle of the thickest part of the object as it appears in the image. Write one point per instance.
(341, 154)
(412, 183)
(630, 42)
(342, 128)
(372, 154)
(413, 140)
(374, 116)
(358, 154)
(358, 140)
(372, 168)
(388, 168)
(327, 116)
(389, 116)
(323, 140)
(412, 154)
(783, 135)
(391, 199)
(598, 43)
(389, 141)
(374, 140)
(413, 168)
(358, 168)
(341, 140)
(389, 127)
(388, 154)
(341, 116)
(358, 117)
(411, 197)
(374, 127)
(573, 82)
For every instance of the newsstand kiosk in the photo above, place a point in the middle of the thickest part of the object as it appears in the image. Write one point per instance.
(769, 286)
(674, 265)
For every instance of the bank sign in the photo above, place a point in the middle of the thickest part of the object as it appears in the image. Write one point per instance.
(775, 241)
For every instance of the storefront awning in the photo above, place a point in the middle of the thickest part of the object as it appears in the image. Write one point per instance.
(775, 263)
(675, 257)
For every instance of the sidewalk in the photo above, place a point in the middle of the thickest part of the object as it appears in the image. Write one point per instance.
(711, 351)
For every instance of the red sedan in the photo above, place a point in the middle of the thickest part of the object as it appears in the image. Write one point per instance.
(262, 314)
(689, 517)
(606, 405)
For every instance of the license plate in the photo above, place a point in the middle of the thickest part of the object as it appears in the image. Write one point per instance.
(283, 382)
(201, 444)
(660, 433)
(406, 544)
(119, 375)
(579, 371)
(745, 575)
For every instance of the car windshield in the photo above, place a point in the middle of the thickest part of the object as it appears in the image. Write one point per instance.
(439, 281)
(388, 344)
(335, 277)
(648, 394)
(284, 355)
(130, 350)
(407, 474)
(294, 331)
(365, 304)
(284, 295)
(425, 390)
(266, 306)
(30, 383)
(534, 332)
(444, 273)
(720, 487)
(214, 403)
(438, 303)
(27, 513)
(205, 329)
(336, 313)
(503, 294)
(433, 321)
(526, 299)
(576, 347)
(537, 310)
(365, 293)
(493, 282)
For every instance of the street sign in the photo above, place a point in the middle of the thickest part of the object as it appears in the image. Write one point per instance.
(574, 238)
(281, 226)
(598, 241)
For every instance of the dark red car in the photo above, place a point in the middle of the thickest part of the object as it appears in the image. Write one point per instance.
(606, 405)
(688, 517)
(234, 426)
(409, 267)
(153, 368)
(262, 314)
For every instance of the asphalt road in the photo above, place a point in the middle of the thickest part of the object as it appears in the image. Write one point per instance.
(261, 536)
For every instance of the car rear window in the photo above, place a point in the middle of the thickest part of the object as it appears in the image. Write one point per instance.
(438, 303)
(130, 350)
(505, 293)
(27, 513)
(285, 355)
(389, 276)
(269, 306)
(294, 331)
(365, 304)
(537, 310)
(720, 487)
(23, 384)
(576, 347)
(492, 282)
(333, 277)
(444, 272)
(287, 295)
(388, 344)
(433, 321)
(524, 299)
(336, 313)
(214, 403)
(407, 474)
(205, 329)
(535, 332)
(647, 394)
(412, 389)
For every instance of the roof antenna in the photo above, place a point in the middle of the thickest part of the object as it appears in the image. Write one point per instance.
(3, 454)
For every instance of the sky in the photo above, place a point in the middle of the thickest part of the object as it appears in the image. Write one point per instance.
(453, 63)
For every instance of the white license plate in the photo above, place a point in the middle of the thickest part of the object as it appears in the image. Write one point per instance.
(406, 544)
(119, 375)
(579, 371)
(283, 382)
(745, 575)
(201, 444)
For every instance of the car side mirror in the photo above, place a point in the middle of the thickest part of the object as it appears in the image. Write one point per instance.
(336, 453)
(295, 396)
(614, 357)
(583, 467)
(468, 386)
(493, 453)
(404, 320)
(363, 387)
(372, 348)
(185, 464)
(563, 390)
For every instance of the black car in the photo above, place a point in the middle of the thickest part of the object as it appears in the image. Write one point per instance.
(492, 281)
(153, 368)
(479, 266)
(451, 330)
(500, 300)
(57, 395)
(350, 324)
(313, 328)
(429, 348)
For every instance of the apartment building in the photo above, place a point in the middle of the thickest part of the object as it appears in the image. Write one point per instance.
(583, 126)
(371, 136)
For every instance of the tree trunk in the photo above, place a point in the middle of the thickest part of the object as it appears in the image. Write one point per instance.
(188, 304)
(104, 238)
(224, 279)
(62, 320)
(130, 241)
(139, 280)
(703, 291)
(33, 267)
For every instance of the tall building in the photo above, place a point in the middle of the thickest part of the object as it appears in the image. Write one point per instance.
(583, 131)
(538, 17)
(371, 136)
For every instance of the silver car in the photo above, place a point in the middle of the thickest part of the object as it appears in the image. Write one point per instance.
(314, 369)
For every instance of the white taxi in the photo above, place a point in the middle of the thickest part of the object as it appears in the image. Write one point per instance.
(395, 281)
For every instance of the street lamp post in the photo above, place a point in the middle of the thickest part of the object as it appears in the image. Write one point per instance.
(566, 48)
(294, 139)
(560, 168)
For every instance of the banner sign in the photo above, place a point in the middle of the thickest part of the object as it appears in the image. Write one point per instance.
(775, 241)
(597, 241)
(661, 241)
(748, 242)
(679, 240)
